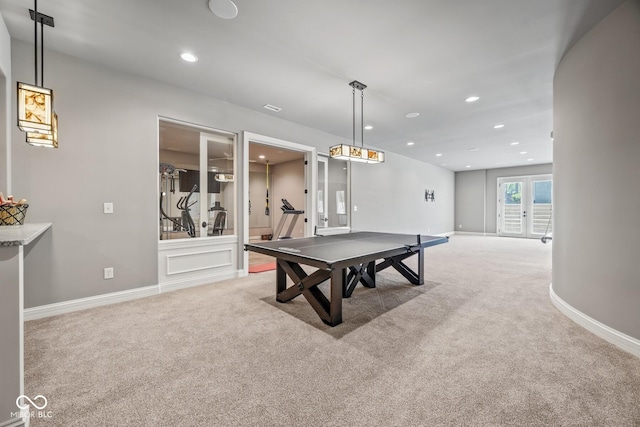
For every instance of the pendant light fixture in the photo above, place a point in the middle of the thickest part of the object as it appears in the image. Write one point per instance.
(42, 140)
(35, 102)
(353, 152)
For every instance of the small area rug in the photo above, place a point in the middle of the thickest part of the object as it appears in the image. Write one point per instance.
(262, 267)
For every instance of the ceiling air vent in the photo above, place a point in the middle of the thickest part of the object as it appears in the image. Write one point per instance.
(272, 108)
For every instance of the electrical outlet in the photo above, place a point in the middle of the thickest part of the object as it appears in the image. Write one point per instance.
(108, 208)
(459, 225)
(108, 273)
(355, 209)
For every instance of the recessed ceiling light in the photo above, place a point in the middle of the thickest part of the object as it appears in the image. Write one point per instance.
(523, 152)
(515, 143)
(500, 126)
(188, 57)
(468, 166)
(529, 160)
(368, 127)
(410, 143)
(439, 155)
(473, 149)
(225, 9)
(271, 107)
(411, 115)
(261, 156)
(472, 99)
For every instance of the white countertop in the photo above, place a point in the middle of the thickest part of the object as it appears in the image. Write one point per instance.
(16, 235)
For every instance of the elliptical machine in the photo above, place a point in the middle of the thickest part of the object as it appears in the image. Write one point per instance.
(167, 183)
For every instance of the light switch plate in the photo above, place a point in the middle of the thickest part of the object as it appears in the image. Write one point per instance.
(108, 273)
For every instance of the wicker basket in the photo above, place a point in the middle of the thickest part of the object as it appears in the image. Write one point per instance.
(13, 215)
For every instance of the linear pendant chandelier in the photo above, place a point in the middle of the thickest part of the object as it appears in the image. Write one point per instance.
(353, 152)
(35, 102)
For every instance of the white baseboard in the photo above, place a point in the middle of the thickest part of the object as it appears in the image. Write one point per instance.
(89, 302)
(474, 233)
(623, 341)
(122, 296)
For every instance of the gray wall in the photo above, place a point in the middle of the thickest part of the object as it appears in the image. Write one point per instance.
(477, 196)
(108, 153)
(257, 195)
(390, 196)
(596, 239)
(287, 183)
(470, 201)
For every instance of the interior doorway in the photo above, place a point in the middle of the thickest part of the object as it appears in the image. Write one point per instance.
(285, 182)
(275, 173)
(525, 206)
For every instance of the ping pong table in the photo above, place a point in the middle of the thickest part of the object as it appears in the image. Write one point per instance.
(346, 259)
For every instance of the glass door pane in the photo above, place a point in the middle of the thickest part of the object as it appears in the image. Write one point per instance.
(218, 177)
(323, 193)
(179, 153)
(540, 218)
(512, 212)
(338, 188)
(332, 193)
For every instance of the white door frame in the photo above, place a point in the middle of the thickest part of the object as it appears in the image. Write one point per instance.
(310, 182)
(323, 221)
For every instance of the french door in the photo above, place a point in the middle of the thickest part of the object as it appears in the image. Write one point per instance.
(525, 206)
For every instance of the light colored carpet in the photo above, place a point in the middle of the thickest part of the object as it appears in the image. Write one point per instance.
(480, 344)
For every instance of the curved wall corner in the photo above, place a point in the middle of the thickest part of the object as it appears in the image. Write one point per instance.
(596, 171)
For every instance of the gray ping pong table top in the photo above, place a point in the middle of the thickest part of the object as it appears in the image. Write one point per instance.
(331, 249)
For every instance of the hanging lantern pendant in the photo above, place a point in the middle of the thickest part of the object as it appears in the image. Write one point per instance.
(353, 152)
(35, 102)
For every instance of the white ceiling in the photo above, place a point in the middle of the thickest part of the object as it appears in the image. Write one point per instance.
(422, 56)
